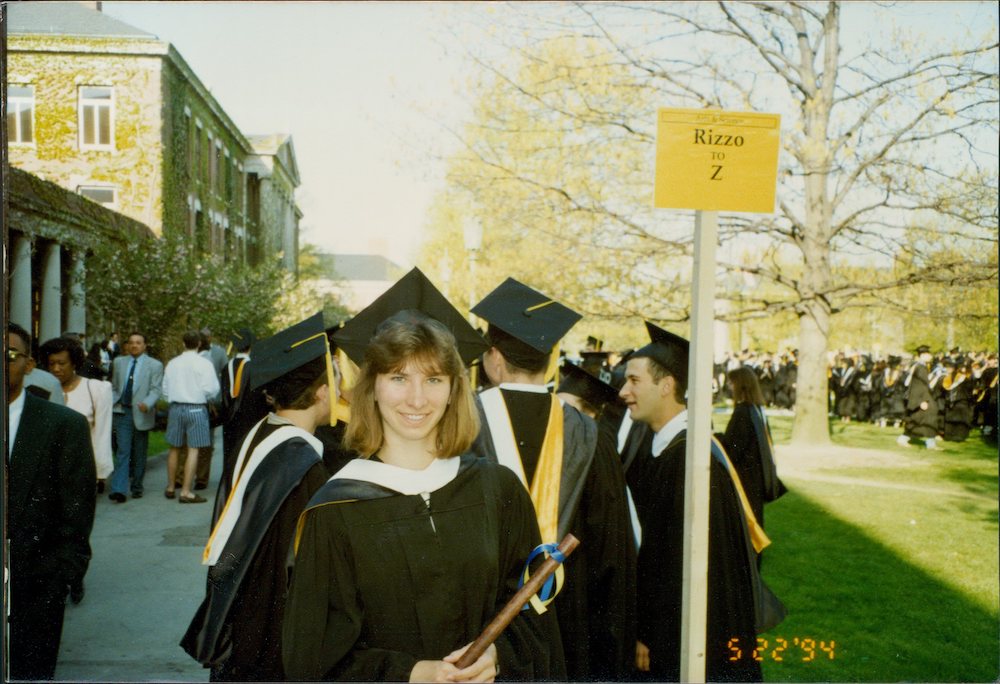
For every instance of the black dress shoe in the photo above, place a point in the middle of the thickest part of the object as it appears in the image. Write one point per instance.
(136, 495)
(201, 485)
(117, 497)
(100, 486)
(76, 593)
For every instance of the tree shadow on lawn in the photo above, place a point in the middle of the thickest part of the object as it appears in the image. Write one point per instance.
(890, 620)
(973, 480)
(977, 468)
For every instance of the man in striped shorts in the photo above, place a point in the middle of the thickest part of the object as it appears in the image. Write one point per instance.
(188, 383)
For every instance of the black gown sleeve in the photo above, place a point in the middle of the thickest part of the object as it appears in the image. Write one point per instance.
(259, 606)
(607, 545)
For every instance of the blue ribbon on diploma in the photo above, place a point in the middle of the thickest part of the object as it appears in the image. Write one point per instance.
(554, 582)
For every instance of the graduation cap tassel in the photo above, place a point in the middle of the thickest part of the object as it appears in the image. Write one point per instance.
(552, 371)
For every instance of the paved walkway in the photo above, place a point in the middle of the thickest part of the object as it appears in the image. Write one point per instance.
(144, 584)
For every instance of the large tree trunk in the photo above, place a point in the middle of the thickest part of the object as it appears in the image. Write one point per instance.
(811, 425)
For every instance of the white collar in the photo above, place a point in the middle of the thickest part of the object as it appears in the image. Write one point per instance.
(14, 411)
(676, 425)
(436, 475)
(524, 387)
(624, 429)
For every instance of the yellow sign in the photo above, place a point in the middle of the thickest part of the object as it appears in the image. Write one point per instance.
(715, 160)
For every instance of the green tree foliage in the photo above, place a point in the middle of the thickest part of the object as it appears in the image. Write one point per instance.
(888, 161)
(161, 287)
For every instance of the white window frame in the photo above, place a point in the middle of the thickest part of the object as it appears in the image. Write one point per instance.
(83, 103)
(196, 167)
(14, 106)
(100, 186)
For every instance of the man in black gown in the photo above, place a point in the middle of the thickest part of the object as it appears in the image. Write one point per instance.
(921, 404)
(655, 386)
(237, 630)
(242, 408)
(521, 428)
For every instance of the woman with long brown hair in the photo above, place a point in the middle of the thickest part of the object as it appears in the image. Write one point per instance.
(748, 442)
(408, 552)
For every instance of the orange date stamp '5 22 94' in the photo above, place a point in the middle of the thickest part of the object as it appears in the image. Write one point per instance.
(780, 649)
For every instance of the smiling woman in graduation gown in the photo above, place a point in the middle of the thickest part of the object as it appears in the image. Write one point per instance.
(408, 552)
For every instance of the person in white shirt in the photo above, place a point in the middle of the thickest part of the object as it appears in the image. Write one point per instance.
(92, 398)
(188, 383)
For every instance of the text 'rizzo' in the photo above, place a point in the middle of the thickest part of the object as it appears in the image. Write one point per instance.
(706, 137)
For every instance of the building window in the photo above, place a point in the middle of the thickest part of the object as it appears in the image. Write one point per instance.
(196, 157)
(102, 194)
(188, 135)
(96, 117)
(20, 114)
(213, 167)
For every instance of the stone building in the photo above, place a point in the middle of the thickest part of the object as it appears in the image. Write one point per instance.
(273, 165)
(113, 113)
(51, 230)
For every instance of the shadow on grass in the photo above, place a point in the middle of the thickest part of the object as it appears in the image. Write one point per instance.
(973, 480)
(890, 620)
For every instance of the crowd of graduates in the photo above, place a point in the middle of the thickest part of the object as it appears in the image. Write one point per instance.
(963, 387)
(871, 387)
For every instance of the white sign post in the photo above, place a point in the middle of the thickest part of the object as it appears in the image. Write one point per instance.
(709, 161)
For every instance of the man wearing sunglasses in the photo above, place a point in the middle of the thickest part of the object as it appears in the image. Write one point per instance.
(50, 511)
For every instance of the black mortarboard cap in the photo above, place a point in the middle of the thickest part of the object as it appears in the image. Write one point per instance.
(288, 350)
(663, 346)
(411, 297)
(243, 339)
(577, 381)
(595, 343)
(593, 361)
(923, 349)
(527, 315)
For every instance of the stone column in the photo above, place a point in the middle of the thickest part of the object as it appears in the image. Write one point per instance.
(76, 321)
(290, 245)
(20, 283)
(50, 316)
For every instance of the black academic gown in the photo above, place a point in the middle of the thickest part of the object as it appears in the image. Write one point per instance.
(958, 407)
(382, 580)
(750, 452)
(920, 422)
(237, 629)
(335, 454)
(239, 414)
(596, 608)
(657, 486)
(893, 394)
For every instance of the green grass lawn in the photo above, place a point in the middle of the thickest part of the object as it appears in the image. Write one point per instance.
(895, 573)
(157, 443)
